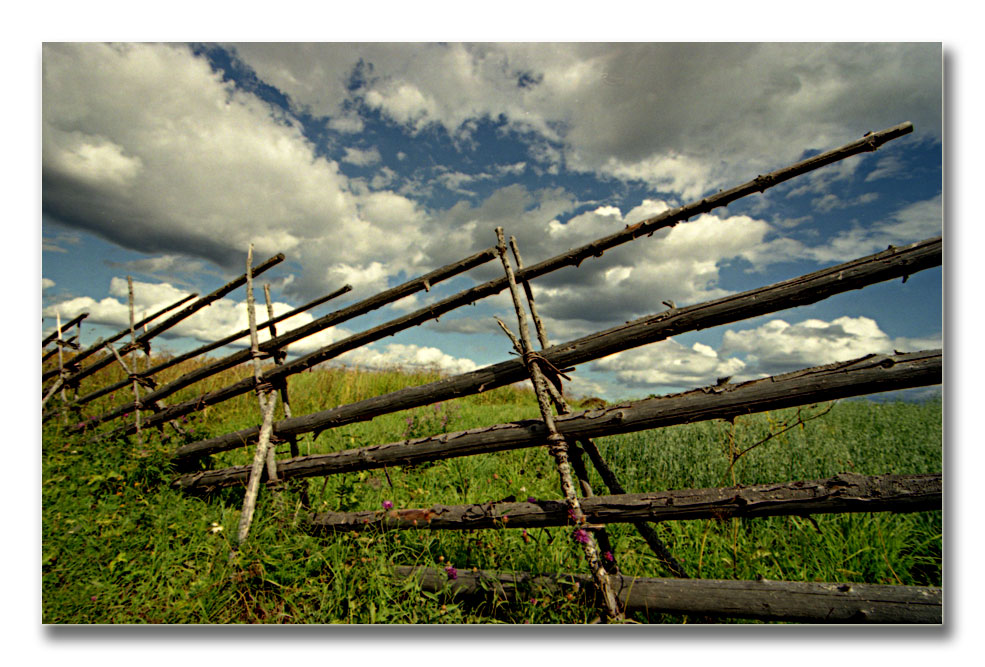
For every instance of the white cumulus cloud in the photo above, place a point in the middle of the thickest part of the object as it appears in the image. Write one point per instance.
(778, 346)
(670, 364)
(407, 356)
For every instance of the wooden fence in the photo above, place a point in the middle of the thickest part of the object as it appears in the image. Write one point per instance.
(568, 435)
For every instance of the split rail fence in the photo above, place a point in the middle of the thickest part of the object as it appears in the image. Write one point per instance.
(568, 435)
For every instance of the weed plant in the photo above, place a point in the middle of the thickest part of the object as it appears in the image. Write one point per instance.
(119, 545)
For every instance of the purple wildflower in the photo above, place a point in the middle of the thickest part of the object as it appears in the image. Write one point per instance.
(571, 514)
(531, 499)
(581, 535)
(451, 572)
(93, 598)
(387, 505)
(608, 556)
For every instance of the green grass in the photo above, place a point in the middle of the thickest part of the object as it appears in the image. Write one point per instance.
(120, 546)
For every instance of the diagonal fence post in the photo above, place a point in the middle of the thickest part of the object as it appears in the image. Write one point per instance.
(558, 446)
(131, 372)
(279, 355)
(575, 453)
(268, 401)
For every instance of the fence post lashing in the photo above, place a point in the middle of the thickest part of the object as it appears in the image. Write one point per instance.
(71, 342)
(101, 343)
(132, 374)
(608, 477)
(561, 405)
(182, 314)
(61, 363)
(268, 401)
(214, 345)
(557, 445)
(68, 325)
(279, 355)
(318, 356)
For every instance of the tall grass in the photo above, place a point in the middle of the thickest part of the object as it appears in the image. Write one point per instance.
(119, 545)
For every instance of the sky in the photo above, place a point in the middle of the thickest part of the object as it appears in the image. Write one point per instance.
(371, 163)
(603, 130)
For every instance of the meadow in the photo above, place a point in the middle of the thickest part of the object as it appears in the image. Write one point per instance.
(119, 545)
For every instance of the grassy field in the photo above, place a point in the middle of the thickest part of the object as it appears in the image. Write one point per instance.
(120, 546)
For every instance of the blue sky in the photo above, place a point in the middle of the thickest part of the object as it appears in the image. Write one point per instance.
(375, 162)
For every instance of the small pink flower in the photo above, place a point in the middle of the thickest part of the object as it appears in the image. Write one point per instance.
(451, 572)
(93, 598)
(608, 556)
(581, 535)
(387, 505)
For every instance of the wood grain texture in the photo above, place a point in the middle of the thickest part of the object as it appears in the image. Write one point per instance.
(862, 376)
(789, 601)
(843, 493)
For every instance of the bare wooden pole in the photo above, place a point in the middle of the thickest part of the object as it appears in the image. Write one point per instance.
(279, 356)
(844, 493)
(133, 344)
(787, 601)
(268, 401)
(68, 325)
(866, 375)
(58, 339)
(102, 343)
(52, 390)
(318, 356)
(646, 531)
(182, 314)
(61, 363)
(198, 351)
(799, 291)
(557, 446)
(71, 342)
(561, 405)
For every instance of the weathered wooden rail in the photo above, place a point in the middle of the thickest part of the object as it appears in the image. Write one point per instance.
(764, 600)
(102, 344)
(813, 385)
(841, 494)
(810, 288)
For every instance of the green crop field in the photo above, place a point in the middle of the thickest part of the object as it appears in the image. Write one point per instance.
(119, 545)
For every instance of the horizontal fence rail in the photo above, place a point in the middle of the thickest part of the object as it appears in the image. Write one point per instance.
(278, 342)
(810, 288)
(71, 343)
(764, 600)
(174, 361)
(870, 374)
(65, 327)
(174, 319)
(101, 344)
(870, 142)
(843, 493)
